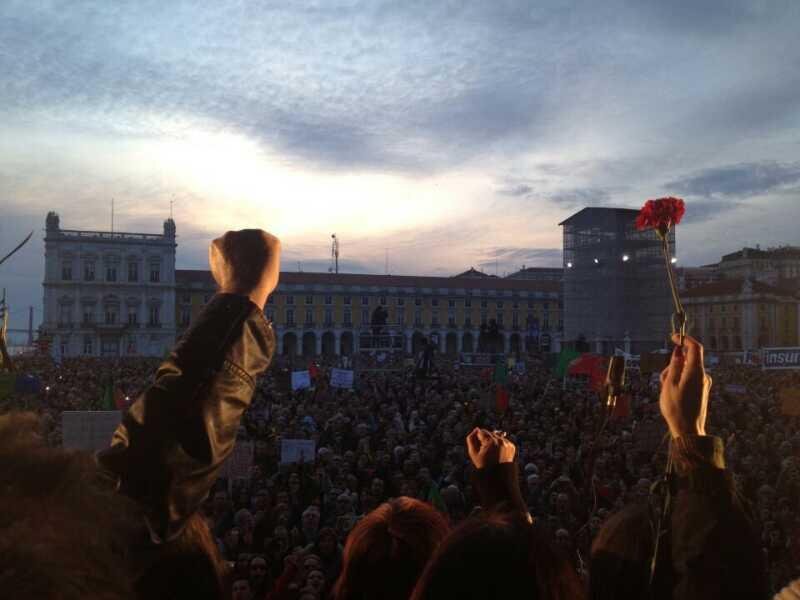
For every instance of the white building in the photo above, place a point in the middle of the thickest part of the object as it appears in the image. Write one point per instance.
(109, 293)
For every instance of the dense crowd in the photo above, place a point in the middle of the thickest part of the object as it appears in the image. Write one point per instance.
(282, 527)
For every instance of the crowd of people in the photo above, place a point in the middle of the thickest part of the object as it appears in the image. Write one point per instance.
(421, 482)
(282, 527)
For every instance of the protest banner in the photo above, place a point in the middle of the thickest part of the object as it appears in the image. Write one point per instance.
(781, 358)
(88, 430)
(790, 401)
(300, 380)
(342, 378)
(293, 450)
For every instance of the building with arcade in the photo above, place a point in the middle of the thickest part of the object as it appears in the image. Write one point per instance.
(108, 293)
(333, 313)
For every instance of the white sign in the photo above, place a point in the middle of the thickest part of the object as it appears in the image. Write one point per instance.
(300, 380)
(293, 450)
(341, 378)
(88, 430)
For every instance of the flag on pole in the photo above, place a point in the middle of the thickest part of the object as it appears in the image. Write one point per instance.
(119, 399)
(501, 398)
(500, 372)
(592, 365)
(566, 356)
(107, 401)
(313, 370)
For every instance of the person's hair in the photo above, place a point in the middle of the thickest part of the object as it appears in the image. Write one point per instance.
(64, 532)
(190, 566)
(621, 555)
(388, 549)
(497, 556)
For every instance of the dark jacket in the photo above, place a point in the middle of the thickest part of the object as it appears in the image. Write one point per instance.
(167, 452)
(707, 549)
(711, 540)
(710, 551)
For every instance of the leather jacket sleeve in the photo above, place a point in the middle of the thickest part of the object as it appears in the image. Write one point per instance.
(167, 452)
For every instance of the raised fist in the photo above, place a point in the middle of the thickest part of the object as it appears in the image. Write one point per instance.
(247, 263)
(486, 448)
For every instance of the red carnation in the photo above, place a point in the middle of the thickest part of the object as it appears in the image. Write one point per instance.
(660, 214)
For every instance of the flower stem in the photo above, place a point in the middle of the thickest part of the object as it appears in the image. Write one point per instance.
(679, 313)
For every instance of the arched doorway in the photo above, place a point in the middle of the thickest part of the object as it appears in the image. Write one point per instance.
(417, 342)
(515, 344)
(309, 344)
(328, 344)
(467, 343)
(289, 344)
(346, 344)
(451, 344)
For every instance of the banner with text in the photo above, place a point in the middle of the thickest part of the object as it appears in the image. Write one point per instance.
(781, 358)
(341, 378)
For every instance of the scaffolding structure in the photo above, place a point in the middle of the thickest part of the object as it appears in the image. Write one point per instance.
(616, 293)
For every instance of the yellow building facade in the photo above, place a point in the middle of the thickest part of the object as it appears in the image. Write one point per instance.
(331, 314)
(737, 315)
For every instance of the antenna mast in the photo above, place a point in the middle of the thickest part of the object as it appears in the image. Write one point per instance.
(112, 215)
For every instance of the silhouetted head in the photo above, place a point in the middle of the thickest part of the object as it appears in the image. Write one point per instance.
(497, 556)
(388, 549)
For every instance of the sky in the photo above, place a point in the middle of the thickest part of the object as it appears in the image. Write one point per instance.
(429, 135)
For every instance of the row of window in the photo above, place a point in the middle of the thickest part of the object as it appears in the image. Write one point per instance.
(90, 274)
(531, 322)
(382, 300)
(107, 347)
(111, 316)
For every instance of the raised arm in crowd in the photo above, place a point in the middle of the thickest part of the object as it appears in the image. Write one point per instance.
(125, 524)
(707, 546)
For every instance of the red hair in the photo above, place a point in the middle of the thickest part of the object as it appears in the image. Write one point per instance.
(388, 549)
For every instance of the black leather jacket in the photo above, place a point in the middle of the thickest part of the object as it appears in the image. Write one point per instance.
(167, 452)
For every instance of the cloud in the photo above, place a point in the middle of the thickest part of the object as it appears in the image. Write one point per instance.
(739, 181)
(580, 197)
(523, 111)
(703, 211)
(521, 189)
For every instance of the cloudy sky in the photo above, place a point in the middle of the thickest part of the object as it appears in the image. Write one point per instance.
(445, 134)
